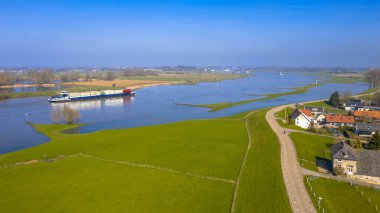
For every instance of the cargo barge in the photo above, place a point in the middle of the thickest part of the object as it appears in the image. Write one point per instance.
(65, 96)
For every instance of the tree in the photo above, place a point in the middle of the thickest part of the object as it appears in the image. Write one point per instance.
(6, 78)
(334, 99)
(374, 141)
(56, 115)
(358, 144)
(345, 96)
(372, 77)
(64, 78)
(110, 76)
(376, 98)
(69, 114)
(88, 77)
(42, 77)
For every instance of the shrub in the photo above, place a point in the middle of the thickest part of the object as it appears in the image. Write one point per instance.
(338, 171)
(70, 115)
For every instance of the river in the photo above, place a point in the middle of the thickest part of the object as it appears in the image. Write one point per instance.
(157, 105)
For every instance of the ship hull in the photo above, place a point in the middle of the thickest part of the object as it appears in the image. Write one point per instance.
(92, 97)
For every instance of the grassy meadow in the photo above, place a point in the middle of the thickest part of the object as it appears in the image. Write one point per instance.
(190, 166)
(341, 197)
(309, 147)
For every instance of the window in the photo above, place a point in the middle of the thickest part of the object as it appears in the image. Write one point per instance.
(350, 168)
(339, 160)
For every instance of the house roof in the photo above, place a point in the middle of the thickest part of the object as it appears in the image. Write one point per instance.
(367, 160)
(314, 109)
(307, 112)
(343, 151)
(367, 127)
(370, 114)
(340, 119)
(296, 113)
(354, 103)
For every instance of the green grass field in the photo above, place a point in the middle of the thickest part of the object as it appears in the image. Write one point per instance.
(262, 188)
(220, 106)
(190, 166)
(309, 147)
(346, 79)
(341, 197)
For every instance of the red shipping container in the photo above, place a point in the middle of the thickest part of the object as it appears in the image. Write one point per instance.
(127, 90)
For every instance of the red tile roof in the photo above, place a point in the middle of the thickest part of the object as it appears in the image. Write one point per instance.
(307, 112)
(369, 114)
(340, 119)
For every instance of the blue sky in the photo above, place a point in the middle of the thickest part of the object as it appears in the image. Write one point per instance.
(154, 33)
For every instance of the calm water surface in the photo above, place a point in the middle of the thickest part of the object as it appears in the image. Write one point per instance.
(156, 105)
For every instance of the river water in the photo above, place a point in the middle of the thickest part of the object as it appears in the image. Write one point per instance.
(156, 105)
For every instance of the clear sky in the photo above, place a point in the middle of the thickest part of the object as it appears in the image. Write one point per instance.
(63, 33)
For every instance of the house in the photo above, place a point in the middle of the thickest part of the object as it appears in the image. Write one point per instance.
(360, 164)
(321, 118)
(365, 116)
(366, 128)
(315, 110)
(353, 105)
(302, 118)
(340, 120)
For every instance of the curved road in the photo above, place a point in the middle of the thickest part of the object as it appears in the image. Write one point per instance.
(291, 170)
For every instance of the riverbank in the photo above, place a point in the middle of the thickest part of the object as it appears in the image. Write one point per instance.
(132, 83)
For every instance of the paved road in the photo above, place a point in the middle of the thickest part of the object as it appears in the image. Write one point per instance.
(291, 170)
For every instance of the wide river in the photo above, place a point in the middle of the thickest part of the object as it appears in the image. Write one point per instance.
(156, 105)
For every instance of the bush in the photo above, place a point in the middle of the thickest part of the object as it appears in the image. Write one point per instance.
(338, 171)
(70, 115)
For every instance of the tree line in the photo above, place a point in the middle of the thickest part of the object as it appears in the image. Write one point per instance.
(372, 77)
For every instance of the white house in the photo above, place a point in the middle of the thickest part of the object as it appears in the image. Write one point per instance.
(301, 119)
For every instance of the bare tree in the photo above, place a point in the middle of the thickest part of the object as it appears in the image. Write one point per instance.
(70, 115)
(376, 98)
(6, 78)
(372, 77)
(56, 115)
(345, 96)
(110, 76)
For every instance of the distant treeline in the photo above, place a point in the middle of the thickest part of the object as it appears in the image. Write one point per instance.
(372, 77)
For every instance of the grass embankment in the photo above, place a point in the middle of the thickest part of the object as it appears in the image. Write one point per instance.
(181, 167)
(219, 106)
(341, 197)
(261, 187)
(310, 147)
(189, 166)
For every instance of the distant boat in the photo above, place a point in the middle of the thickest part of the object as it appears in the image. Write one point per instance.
(281, 73)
